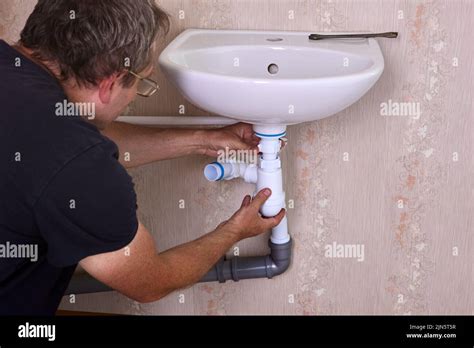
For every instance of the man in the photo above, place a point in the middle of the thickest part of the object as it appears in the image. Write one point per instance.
(63, 188)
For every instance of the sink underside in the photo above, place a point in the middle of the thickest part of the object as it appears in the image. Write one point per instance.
(267, 77)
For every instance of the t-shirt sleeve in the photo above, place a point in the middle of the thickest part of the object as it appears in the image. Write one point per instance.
(88, 207)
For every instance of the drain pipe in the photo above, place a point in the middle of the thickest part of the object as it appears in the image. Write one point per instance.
(216, 171)
(236, 268)
(251, 267)
(266, 174)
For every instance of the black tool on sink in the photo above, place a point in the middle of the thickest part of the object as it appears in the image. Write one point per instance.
(390, 35)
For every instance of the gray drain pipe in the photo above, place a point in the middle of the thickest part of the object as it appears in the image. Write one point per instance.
(236, 268)
(252, 267)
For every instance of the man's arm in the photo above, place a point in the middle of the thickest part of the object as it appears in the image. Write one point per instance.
(145, 276)
(140, 145)
(147, 144)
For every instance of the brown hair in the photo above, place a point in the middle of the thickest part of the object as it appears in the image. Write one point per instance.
(91, 40)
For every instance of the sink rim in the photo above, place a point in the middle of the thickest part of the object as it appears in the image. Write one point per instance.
(375, 55)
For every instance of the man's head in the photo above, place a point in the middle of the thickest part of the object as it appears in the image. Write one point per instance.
(92, 45)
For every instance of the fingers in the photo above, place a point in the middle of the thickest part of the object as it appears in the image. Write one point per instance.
(244, 137)
(241, 143)
(212, 153)
(245, 126)
(275, 221)
(247, 133)
(260, 198)
(242, 128)
(246, 201)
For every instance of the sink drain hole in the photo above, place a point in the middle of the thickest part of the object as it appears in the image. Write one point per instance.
(273, 69)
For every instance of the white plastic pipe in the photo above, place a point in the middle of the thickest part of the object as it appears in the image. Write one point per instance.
(178, 120)
(280, 232)
(273, 180)
(213, 172)
(216, 171)
(269, 175)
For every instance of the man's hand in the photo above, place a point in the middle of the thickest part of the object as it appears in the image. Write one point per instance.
(239, 136)
(247, 221)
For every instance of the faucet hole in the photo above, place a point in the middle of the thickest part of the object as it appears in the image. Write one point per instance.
(273, 68)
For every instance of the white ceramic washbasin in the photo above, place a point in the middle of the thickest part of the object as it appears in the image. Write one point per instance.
(270, 77)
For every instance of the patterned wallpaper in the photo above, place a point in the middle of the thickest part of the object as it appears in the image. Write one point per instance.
(398, 187)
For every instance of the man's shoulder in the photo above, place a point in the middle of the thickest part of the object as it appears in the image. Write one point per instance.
(38, 146)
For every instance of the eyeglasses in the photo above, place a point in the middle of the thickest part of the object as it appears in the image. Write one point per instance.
(146, 87)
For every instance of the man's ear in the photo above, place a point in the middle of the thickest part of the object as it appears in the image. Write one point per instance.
(106, 87)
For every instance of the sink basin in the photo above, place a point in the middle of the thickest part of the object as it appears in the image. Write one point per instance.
(270, 77)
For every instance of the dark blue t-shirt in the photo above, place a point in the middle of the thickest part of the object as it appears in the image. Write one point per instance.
(62, 190)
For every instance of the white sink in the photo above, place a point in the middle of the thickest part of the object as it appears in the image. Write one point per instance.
(270, 77)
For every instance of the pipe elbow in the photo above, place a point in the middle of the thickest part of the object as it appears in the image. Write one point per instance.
(280, 257)
(279, 267)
